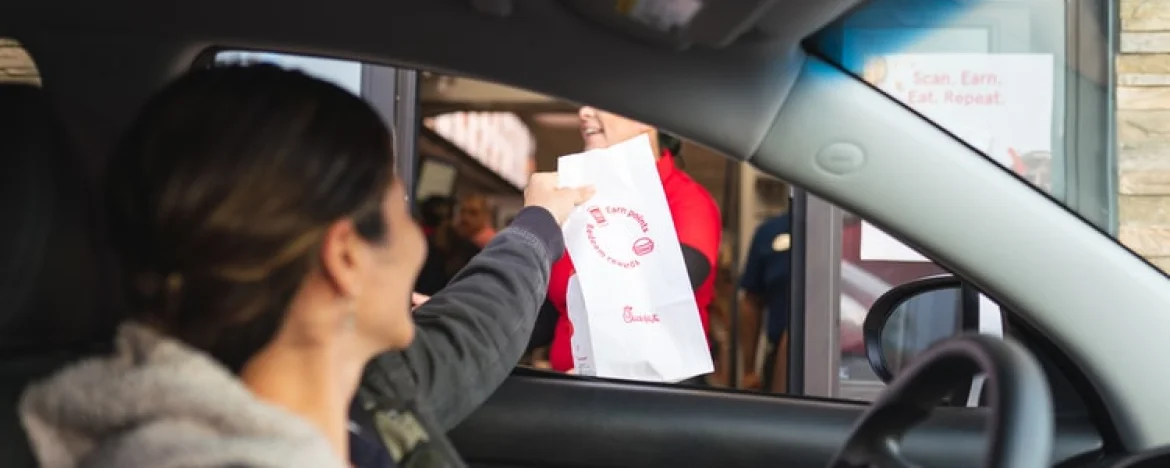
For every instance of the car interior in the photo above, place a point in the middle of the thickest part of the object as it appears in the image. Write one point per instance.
(1071, 382)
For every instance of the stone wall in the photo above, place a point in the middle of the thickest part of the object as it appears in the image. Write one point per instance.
(15, 64)
(1143, 127)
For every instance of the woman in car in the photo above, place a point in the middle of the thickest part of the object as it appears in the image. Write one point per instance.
(271, 255)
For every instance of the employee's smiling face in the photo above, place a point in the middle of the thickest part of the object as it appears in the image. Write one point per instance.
(600, 129)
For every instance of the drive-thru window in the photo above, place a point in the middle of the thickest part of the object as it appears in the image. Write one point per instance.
(1029, 83)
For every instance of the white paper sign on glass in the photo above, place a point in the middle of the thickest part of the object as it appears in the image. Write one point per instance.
(633, 311)
(879, 246)
(1000, 104)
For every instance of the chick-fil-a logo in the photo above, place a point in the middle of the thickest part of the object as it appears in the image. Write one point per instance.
(629, 316)
(600, 217)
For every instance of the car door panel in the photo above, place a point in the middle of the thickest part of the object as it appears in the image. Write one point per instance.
(542, 420)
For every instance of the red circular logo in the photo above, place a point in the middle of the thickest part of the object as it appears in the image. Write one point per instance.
(643, 246)
(601, 225)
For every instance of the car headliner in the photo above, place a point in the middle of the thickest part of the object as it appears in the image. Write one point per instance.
(546, 48)
(578, 59)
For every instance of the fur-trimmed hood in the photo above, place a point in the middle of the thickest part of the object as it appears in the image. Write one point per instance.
(156, 402)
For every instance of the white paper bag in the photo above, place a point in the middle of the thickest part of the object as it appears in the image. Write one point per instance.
(631, 304)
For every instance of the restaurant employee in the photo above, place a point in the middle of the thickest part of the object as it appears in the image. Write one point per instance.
(696, 218)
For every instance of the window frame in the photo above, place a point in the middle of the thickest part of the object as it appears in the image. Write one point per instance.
(392, 91)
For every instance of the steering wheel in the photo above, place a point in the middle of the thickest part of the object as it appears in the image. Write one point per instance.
(1021, 419)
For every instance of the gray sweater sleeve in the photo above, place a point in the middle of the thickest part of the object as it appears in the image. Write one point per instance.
(473, 332)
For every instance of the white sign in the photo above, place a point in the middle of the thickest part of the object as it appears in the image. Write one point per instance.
(1000, 104)
(498, 140)
(877, 245)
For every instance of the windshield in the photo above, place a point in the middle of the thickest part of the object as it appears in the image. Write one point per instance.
(1026, 82)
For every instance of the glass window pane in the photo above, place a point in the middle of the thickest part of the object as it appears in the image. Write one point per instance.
(872, 263)
(1005, 76)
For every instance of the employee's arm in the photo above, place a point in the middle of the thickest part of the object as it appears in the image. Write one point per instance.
(751, 302)
(751, 313)
(699, 230)
(545, 328)
(698, 266)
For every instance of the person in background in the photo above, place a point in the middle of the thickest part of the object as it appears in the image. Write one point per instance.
(262, 285)
(447, 250)
(474, 220)
(435, 217)
(434, 211)
(454, 249)
(720, 317)
(766, 284)
(696, 218)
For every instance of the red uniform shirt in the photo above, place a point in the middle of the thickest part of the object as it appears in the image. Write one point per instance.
(696, 218)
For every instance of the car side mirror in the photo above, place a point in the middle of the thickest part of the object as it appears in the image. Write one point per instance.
(909, 318)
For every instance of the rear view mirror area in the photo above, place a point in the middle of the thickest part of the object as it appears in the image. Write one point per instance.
(910, 318)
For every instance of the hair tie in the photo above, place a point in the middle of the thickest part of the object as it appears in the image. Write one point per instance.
(172, 289)
(174, 283)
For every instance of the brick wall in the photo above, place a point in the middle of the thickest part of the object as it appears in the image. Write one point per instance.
(1143, 126)
(15, 64)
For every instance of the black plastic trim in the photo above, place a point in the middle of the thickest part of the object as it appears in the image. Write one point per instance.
(540, 419)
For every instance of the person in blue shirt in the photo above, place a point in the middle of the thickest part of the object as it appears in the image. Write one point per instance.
(765, 282)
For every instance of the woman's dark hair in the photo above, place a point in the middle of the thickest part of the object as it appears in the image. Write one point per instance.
(223, 189)
(50, 262)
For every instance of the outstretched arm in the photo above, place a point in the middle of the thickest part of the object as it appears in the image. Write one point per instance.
(473, 332)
